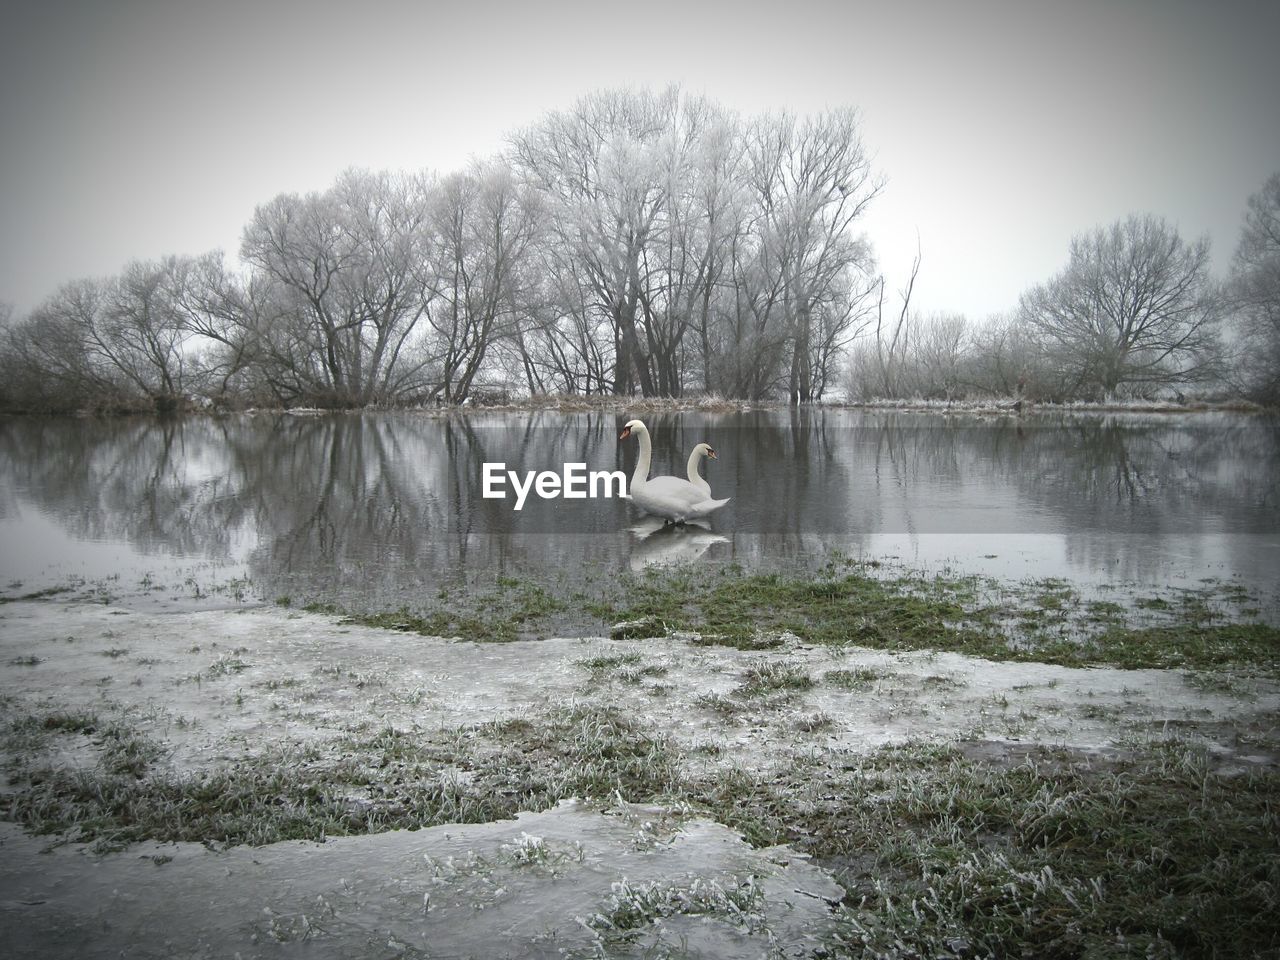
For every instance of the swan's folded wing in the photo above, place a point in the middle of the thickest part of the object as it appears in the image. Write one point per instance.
(674, 490)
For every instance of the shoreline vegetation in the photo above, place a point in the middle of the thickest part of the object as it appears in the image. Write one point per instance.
(499, 403)
(848, 602)
(985, 768)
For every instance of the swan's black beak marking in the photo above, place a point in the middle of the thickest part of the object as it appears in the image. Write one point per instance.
(626, 432)
(712, 455)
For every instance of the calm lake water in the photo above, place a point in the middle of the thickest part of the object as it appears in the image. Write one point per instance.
(377, 510)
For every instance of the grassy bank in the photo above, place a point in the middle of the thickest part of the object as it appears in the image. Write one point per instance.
(746, 698)
(942, 850)
(853, 603)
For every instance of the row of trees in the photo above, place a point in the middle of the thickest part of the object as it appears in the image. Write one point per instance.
(1136, 311)
(636, 243)
(639, 242)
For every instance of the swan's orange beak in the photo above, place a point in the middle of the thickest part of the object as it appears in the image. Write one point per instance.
(626, 432)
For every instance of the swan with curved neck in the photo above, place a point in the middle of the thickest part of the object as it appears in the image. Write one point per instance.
(671, 498)
(695, 458)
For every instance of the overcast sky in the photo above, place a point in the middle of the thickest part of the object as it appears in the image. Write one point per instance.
(139, 128)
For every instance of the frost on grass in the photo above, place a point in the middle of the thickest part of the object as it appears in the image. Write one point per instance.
(527, 849)
(890, 767)
(630, 906)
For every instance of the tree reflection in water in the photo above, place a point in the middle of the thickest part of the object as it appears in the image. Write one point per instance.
(386, 508)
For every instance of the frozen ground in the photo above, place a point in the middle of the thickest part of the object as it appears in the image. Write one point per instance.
(220, 688)
(538, 886)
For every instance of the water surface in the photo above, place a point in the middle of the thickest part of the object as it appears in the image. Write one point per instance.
(377, 510)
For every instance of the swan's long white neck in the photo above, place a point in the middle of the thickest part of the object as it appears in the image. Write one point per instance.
(694, 476)
(641, 474)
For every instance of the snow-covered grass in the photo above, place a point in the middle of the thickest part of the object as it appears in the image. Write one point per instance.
(966, 804)
(1006, 404)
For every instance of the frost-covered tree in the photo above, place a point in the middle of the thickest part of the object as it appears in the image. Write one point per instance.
(1255, 294)
(1135, 308)
(482, 224)
(115, 341)
(721, 253)
(603, 169)
(813, 182)
(351, 288)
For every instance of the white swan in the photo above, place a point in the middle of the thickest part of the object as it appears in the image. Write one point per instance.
(668, 497)
(700, 451)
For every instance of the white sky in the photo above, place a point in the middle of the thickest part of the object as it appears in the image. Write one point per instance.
(138, 128)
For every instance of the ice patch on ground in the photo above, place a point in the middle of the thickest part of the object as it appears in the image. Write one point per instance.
(217, 688)
(454, 891)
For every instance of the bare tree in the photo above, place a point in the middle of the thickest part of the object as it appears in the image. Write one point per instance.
(941, 354)
(841, 316)
(638, 241)
(712, 218)
(51, 363)
(565, 344)
(814, 181)
(226, 315)
(10, 369)
(751, 349)
(141, 334)
(20, 378)
(1255, 294)
(349, 265)
(111, 342)
(600, 167)
(483, 224)
(1005, 361)
(878, 369)
(683, 274)
(722, 254)
(1135, 307)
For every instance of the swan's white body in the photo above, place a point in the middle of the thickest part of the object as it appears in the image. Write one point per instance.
(700, 451)
(668, 497)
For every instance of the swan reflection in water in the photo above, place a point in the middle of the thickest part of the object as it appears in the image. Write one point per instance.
(656, 543)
